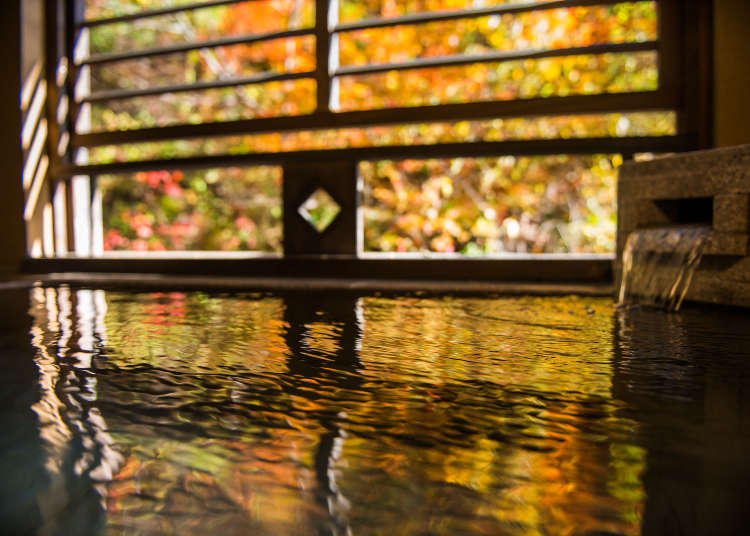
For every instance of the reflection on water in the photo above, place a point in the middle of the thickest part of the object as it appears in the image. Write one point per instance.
(188, 413)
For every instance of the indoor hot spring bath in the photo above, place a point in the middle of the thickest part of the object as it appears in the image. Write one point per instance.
(334, 413)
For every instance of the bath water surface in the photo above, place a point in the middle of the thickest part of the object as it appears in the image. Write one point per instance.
(293, 414)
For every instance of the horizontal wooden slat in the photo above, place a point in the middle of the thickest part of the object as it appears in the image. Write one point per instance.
(444, 61)
(184, 47)
(512, 267)
(576, 104)
(210, 282)
(155, 13)
(499, 56)
(438, 16)
(262, 78)
(440, 150)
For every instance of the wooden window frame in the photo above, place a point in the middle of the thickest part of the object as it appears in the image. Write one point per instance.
(684, 66)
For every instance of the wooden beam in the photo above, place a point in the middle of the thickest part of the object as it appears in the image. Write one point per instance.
(552, 268)
(571, 105)
(441, 150)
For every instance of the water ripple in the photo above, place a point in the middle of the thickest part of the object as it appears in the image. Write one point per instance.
(188, 413)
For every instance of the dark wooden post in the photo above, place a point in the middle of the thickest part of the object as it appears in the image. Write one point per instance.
(326, 48)
(12, 237)
(685, 66)
(339, 180)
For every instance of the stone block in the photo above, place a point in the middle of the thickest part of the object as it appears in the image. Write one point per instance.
(726, 244)
(732, 212)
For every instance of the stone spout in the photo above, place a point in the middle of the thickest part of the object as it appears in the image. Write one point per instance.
(701, 188)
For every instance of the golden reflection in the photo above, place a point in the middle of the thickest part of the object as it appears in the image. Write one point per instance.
(551, 482)
(204, 333)
(321, 339)
(74, 434)
(187, 413)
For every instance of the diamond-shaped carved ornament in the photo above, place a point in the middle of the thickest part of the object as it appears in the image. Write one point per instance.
(319, 210)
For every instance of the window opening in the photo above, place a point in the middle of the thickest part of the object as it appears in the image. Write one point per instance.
(227, 209)
(490, 206)
(319, 210)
